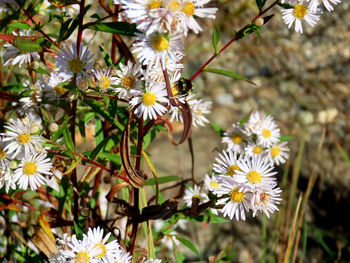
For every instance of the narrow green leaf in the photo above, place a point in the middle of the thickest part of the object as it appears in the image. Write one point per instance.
(228, 74)
(78, 230)
(163, 180)
(20, 25)
(216, 39)
(286, 138)
(98, 148)
(188, 244)
(115, 158)
(106, 57)
(180, 258)
(68, 139)
(285, 5)
(218, 129)
(121, 28)
(98, 131)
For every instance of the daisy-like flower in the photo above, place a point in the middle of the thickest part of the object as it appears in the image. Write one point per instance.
(251, 126)
(255, 172)
(235, 139)
(226, 163)
(147, 104)
(146, 14)
(198, 109)
(121, 257)
(156, 48)
(268, 132)
(128, 80)
(255, 150)
(151, 260)
(70, 64)
(80, 251)
(15, 56)
(300, 12)
(191, 9)
(4, 157)
(105, 250)
(54, 87)
(211, 183)
(170, 241)
(195, 192)
(237, 201)
(31, 171)
(278, 153)
(264, 200)
(20, 134)
(104, 78)
(327, 4)
(6, 179)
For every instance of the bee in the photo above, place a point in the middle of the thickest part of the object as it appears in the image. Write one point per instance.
(184, 86)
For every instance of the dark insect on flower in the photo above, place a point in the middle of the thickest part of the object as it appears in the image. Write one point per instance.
(184, 86)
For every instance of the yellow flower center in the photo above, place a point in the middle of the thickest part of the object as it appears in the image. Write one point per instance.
(275, 151)
(128, 82)
(237, 196)
(60, 90)
(75, 65)
(266, 133)
(101, 247)
(82, 257)
(197, 196)
(149, 99)
(29, 168)
(300, 11)
(104, 82)
(173, 5)
(232, 170)
(160, 43)
(257, 150)
(2, 154)
(214, 184)
(23, 138)
(254, 177)
(237, 139)
(154, 4)
(189, 9)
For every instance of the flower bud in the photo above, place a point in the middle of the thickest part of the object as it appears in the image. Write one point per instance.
(34, 128)
(53, 127)
(259, 22)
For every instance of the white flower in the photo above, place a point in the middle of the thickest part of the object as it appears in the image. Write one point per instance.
(70, 64)
(198, 109)
(327, 4)
(19, 133)
(7, 179)
(237, 202)
(170, 241)
(105, 250)
(255, 150)
(54, 87)
(72, 10)
(235, 139)
(300, 12)
(191, 9)
(195, 192)
(147, 104)
(268, 132)
(211, 183)
(156, 48)
(121, 257)
(226, 163)
(31, 171)
(278, 153)
(264, 200)
(105, 78)
(128, 80)
(4, 157)
(255, 172)
(79, 251)
(151, 260)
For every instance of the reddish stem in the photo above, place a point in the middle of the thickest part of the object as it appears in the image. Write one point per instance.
(80, 28)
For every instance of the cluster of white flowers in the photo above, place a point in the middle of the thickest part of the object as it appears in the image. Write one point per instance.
(243, 177)
(94, 247)
(308, 10)
(23, 161)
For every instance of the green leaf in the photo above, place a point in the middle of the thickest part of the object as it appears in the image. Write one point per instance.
(78, 230)
(20, 25)
(121, 28)
(244, 120)
(68, 139)
(98, 131)
(228, 74)
(214, 219)
(285, 5)
(286, 138)
(216, 39)
(188, 244)
(98, 148)
(260, 4)
(106, 57)
(180, 258)
(218, 129)
(115, 158)
(29, 43)
(41, 70)
(163, 180)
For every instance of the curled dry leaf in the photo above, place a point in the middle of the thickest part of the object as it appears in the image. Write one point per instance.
(137, 178)
(115, 189)
(43, 242)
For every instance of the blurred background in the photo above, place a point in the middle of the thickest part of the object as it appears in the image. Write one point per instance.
(303, 81)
